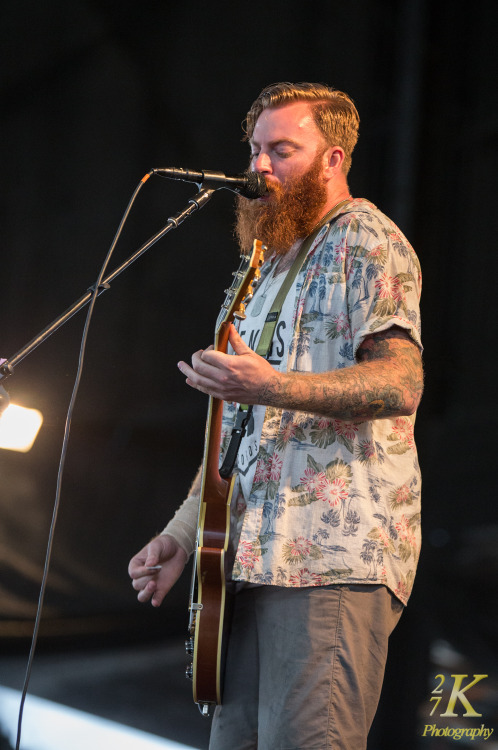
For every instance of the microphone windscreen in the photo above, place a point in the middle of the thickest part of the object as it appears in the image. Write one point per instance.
(255, 186)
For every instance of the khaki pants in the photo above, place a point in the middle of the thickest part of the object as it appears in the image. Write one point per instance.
(304, 667)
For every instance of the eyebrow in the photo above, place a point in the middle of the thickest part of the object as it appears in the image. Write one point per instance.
(278, 142)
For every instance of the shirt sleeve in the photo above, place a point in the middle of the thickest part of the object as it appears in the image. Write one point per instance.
(183, 525)
(383, 279)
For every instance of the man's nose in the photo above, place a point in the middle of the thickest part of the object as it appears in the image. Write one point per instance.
(262, 164)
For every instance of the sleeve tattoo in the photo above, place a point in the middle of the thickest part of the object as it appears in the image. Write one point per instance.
(387, 381)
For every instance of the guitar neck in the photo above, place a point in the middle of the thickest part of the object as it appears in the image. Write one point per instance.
(214, 487)
(217, 485)
(208, 593)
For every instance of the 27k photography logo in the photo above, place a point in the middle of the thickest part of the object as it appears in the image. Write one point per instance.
(452, 701)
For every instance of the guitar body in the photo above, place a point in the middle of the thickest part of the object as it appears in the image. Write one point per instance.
(209, 621)
(212, 621)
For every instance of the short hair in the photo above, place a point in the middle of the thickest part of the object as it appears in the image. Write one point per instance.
(334, 112)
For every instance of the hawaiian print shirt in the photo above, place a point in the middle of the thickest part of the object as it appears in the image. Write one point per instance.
(336, 501)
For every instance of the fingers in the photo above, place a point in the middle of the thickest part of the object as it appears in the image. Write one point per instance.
(148, 590)
(143, 579)
(137, 564)
(156, 568)
(237, 344)
(229, 377)
(209, 371)
(149, 556)
(195, 379)
(210, 366)
(165, 578)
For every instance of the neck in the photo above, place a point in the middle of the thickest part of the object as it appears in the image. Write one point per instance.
(285, 260)
(337, 193)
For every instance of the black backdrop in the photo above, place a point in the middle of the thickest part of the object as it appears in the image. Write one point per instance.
(96, 93)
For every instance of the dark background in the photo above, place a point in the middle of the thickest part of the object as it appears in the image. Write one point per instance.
(95, 94)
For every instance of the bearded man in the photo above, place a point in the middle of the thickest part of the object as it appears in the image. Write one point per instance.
(326, 509)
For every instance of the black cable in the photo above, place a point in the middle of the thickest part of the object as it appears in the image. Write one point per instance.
(62, 460)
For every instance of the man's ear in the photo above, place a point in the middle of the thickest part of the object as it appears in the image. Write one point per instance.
(334, 159)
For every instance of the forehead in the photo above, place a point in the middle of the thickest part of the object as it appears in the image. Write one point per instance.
(292, 122)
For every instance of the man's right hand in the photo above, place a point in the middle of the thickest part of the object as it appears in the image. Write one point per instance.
(155, 584)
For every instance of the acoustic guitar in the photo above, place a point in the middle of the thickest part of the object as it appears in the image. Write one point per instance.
(208, 621)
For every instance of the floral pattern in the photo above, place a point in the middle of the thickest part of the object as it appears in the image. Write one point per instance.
(336, 500)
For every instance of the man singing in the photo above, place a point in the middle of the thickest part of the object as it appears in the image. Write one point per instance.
(326, 511)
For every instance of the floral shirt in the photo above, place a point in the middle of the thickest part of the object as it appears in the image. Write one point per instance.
(337, 501)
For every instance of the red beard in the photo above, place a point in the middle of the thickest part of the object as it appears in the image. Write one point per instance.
(290, 214)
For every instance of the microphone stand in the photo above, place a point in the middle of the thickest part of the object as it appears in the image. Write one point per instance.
(198, 201)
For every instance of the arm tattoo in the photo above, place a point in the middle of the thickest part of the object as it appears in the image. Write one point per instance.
(386, 382)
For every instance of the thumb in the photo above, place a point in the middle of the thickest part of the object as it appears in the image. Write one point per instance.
(153, 553)
(236, 342)
(152, 560)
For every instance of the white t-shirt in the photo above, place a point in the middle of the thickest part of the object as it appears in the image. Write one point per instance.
(250, 331)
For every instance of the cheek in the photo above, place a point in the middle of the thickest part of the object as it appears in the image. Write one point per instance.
(284, 171)
(288, 172)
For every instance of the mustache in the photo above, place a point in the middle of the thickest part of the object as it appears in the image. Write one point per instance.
(290, 211)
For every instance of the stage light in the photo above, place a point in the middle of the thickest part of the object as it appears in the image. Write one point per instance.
(19, 427)
(52, 726)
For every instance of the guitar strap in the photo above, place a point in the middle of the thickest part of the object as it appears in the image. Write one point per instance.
(266, 339)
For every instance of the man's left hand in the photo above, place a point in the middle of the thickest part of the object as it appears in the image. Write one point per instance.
(236, 377)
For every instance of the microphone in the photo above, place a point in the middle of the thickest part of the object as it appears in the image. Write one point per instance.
(249, 184)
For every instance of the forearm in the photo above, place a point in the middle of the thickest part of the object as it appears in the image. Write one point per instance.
(387, 382)
(183, 526)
